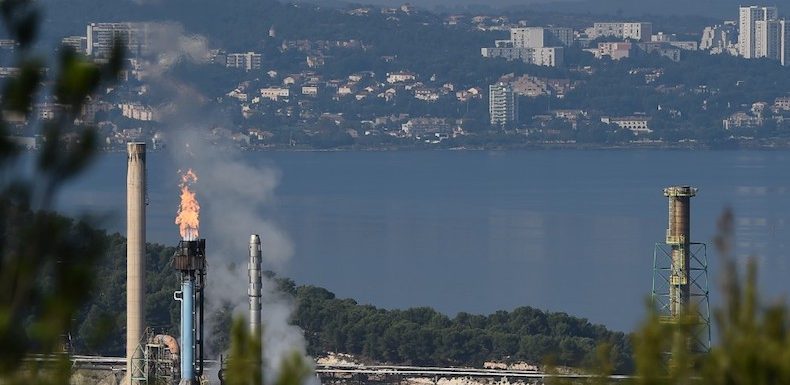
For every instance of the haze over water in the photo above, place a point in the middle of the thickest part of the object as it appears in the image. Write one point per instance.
(479, 231)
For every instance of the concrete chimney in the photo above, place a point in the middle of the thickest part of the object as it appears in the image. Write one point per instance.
(254, 291)
(135, 258)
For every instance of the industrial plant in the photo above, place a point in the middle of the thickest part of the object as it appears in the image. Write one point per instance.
(680, 288)
(158, 358)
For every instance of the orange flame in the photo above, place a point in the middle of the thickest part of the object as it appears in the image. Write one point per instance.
(188, 215)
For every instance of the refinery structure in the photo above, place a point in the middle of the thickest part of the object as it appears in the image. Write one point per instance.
(680, 288)
(158, 358)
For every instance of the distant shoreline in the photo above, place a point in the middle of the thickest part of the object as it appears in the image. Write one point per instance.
(735, 146)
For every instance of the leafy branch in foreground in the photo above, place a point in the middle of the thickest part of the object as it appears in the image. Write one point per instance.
(46, 264)
(245, 355)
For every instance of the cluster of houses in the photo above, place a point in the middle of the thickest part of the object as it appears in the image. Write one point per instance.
(356, 86)
(759, 114)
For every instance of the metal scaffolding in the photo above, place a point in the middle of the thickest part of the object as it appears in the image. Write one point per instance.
(699, 294)
(680, 270)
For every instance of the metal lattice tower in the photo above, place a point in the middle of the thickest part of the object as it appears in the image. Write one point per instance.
(680, 268)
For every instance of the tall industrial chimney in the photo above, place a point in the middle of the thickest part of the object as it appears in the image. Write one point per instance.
(679, 239)
(135, 257)
(254, 291)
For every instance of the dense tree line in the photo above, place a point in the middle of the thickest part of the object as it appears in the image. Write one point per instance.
(423, 336)
(420, 336)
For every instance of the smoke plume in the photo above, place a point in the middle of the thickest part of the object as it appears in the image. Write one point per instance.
(235, 192)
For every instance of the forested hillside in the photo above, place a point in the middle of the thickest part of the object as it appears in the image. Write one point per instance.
(420, 336)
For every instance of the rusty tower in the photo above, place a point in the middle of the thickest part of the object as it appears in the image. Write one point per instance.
(680, 268)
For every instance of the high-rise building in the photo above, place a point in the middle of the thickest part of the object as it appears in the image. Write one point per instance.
(248, 61)
(533, 45)
(768, 39)
(101, 36)
(502, 106)
(540, 37)
(748, 27)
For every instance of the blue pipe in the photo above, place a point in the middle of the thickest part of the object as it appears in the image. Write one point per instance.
(187, 329)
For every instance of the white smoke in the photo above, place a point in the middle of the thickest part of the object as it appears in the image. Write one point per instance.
(234, 193)
(169, 44)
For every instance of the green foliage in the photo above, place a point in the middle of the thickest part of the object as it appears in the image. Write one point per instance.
(102, 321)
(423, 336)
(46, 261)
(245, 357)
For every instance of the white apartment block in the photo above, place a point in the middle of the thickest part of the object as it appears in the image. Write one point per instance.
(248, 61)
(101, 36)
(720, 39)
(641, 31)
(398, 77)
(138, 112)
(528, 37)
(275, 93)
(310, 90)
(78, 43)
(502, 105)
(547, 56)
(539, 37)
(636, 124)
(747, 28)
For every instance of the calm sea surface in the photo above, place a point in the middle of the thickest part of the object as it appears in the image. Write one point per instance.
(569, 231)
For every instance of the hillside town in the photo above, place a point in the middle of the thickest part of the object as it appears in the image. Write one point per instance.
(293, 93)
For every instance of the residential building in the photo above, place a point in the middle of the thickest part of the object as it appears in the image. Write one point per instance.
(533, 45)
(538, 37)
(402, 76)
(767, 39)
(315, 61)
(666, 50)
(502, 105)
(546, 56)
(782, 103)
(636, 124)
(101, 37)
(426, 94)
(615, 50)
(310, 90)
(247, 61)
(275, 93)
(137, 111)
(722, 38)
(78, 43)
(741, 119)
(639, 31)
(418, 127)
(748, 38)
(561, 36)
(8, 44)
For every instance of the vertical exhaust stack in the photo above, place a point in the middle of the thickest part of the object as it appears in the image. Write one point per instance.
(190, 261)
(254, 291)
(135, 256)
(679, 239)
(680, 273)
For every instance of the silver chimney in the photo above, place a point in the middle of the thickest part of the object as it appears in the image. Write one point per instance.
(254, 291)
